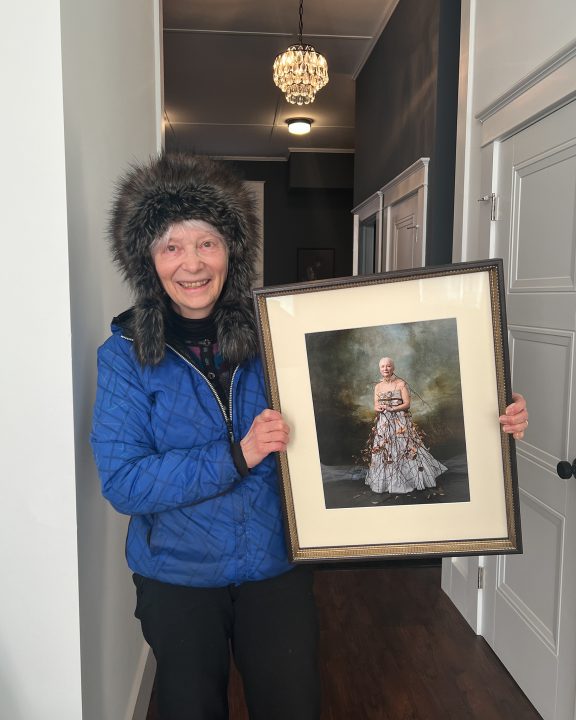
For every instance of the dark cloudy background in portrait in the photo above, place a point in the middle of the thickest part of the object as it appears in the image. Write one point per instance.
(343, 367)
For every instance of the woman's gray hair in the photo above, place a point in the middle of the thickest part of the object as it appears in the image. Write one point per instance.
(161, 241)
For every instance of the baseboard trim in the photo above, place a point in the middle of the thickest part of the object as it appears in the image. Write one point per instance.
(143, 683)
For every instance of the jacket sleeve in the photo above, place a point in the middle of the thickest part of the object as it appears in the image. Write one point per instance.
(135, 477)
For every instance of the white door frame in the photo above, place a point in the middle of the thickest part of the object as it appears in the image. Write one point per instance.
(413, 180)
(547, 88)
(371, 207)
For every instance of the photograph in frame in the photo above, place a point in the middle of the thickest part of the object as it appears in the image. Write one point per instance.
(392, 385)
(414, 456)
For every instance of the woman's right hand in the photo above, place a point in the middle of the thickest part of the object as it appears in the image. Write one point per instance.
(268, 433)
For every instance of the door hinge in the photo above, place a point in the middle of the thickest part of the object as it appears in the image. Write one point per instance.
(480, 578)
(493, 200)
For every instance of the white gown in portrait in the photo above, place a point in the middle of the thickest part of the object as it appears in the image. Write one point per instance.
(400, 463)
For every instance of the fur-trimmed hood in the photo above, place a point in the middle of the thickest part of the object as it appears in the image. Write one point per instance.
(168, 189)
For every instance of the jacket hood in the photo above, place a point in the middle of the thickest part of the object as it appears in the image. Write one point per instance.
(171, 188)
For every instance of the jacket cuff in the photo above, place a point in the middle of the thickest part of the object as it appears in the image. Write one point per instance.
(239, 460)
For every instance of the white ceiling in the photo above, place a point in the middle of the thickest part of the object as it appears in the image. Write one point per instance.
(218, 90)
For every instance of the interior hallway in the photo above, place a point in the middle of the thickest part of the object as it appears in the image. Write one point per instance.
(393, 647)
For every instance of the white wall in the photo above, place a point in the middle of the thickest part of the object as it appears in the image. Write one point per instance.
(111, 118)
(39, 623)
(80, 100)
(542, 27)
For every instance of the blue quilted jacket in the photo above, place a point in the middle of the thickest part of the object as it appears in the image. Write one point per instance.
(161, 441)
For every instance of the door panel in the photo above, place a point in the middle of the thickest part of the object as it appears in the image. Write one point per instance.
(526, 656)
(532, 353)
(406, 241)
(543, 263)
(520, 586)
(526, 622)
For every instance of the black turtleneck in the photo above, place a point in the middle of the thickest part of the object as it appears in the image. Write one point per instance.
(196, 340)
(189, 330)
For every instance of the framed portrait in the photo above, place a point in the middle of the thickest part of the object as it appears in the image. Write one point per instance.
(392, 385)
(315, 264)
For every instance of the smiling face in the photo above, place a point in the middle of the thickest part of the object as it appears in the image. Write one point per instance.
(192, 263)
(386, 366)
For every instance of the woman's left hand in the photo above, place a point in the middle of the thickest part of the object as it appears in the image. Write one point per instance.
(515, 420)
(268, 433)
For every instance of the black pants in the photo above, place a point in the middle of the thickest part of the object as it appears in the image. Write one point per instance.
(271, 628)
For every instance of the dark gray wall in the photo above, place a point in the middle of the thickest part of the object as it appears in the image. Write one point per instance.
(406, 108)
(330, 171)
(299, 218)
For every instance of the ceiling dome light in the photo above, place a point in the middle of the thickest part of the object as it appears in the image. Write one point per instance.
(300, 71)
(299, 126)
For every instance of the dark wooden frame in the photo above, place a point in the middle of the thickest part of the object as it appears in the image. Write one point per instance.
(281, 311)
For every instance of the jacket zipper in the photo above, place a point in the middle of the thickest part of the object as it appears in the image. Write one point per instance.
(227, 419)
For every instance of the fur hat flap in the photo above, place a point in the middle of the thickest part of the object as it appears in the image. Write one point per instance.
(170, 189)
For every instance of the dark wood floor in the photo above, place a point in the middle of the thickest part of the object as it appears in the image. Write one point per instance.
(393, 647)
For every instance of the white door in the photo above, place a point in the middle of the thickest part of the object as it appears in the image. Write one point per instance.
(404, 234)
(367, 244)
(530, 599)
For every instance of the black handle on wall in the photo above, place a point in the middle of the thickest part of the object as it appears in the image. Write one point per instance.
(565, 470)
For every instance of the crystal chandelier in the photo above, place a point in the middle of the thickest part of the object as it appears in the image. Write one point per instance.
(300, 71)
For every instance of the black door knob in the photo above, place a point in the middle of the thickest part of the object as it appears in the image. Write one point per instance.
(565, 470)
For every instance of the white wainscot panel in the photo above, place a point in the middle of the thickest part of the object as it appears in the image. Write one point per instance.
(536, 595)
(538, 353)
(403, 242)
(539, 263)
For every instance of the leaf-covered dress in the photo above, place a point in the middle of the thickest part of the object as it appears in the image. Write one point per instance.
(399, 460)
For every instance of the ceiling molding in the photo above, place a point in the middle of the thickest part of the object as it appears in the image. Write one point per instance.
(221, 124)
(322, 150)
(251, 158)
(389, 10)
(276, 125)
(194, 31)
(252, 33)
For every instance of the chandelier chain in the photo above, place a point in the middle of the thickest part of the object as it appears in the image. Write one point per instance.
(300, 71)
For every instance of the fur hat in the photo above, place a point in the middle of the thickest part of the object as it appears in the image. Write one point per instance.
(168, 189)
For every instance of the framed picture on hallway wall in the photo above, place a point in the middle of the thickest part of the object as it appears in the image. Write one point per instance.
(315, 263)
(392, 385)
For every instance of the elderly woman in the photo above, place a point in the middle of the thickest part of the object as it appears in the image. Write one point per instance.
(399, 460)
(184, 444)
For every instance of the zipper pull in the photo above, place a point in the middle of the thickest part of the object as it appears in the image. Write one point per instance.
(230, 430)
